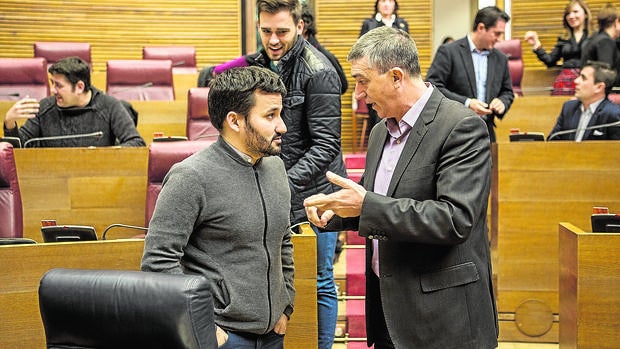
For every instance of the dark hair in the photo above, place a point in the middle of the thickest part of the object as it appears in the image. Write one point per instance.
(273, 6)
(308, 17)
(447, 39)
(603, 73)
(395, 7)
(233, 90)
(606, 17)
(386, 48)
(74, 69)
(489, 17)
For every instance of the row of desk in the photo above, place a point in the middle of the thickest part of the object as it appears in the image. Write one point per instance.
(24, 265)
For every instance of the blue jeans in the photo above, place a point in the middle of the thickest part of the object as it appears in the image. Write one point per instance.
(327, 298)
(238, 340)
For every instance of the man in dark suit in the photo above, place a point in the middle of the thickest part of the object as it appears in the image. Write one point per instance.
(421, 204)
(474, 73)
(588, 117)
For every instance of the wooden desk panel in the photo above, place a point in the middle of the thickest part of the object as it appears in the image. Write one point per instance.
(589, 284)
(530, 114)
(537, 186)
(83, 186)
(24, 265)
(168, 117)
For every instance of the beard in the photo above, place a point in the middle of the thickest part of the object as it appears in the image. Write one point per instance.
(259, 144)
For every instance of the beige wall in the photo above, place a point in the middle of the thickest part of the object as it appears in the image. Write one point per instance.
(451, 18)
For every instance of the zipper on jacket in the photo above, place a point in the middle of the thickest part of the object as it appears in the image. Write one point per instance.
(262, 199)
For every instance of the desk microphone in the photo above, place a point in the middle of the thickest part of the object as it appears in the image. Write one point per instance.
(575, 130)
(179, 63)
(97, 134)
(9, 94)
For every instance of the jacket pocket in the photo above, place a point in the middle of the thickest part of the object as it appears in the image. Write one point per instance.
(221, 297)
(456, 275)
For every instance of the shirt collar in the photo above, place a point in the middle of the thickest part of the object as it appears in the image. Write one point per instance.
(592, 106)
(472, 47)
(395, 129)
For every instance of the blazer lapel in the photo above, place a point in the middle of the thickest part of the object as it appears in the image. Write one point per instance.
(468, 63)
(492, 75)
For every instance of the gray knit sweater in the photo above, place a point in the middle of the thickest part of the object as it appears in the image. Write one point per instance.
(221, 217)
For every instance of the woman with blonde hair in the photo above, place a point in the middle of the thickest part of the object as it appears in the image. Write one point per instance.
(569, 46)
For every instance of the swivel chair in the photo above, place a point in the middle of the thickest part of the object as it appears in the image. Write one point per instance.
(183, 57)
(198, 125)
(161, 158)
(21, 77)
(11, 212)
(108, 309)
(141, 80)
(512, 49)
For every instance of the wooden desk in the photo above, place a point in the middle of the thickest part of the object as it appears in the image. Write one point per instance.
(169, 117)
(530, 114)
(589, 288)
(84, 186)
(536, 185)
(24, 265)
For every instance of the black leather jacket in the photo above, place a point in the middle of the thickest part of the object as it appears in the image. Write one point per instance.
(311, 146)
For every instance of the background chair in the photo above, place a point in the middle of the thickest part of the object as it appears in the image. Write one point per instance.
(142, 80)
(183, 57)
(11, 213)
(360, 111)
(55, 51)
(108, 309)
(161, 157)
(198, 125)
(512, 49)
(21, 77)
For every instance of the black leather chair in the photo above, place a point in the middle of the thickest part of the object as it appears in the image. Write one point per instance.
(118, 309)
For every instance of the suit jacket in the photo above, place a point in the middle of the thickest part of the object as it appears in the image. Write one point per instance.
(606, 112)
(435, 267)
(452, 71)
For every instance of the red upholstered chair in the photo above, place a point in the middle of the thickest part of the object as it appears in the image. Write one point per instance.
(183, 57)
(162, 155)
(55, 51)
(512, 49)
(360, 109)
(11, 213)
(21, 77)
(198, 125)
(142, 80)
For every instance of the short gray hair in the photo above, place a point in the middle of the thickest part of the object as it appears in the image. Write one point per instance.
(386, 48)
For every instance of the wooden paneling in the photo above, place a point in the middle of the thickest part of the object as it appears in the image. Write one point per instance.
(545, 17)
(24, 265)
(589, 283)
(118, 29)
(339, 23)
(83, 186)
(537, 185)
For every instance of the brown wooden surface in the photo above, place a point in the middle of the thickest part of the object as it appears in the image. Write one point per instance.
(24, 265)
(530, 114)
(589, 284)
(84, 186)
(538, 185)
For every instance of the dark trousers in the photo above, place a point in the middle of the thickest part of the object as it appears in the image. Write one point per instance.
(377, 318)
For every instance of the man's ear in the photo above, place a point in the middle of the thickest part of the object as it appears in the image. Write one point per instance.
(300, 27)
(233, 121)
(397, 76)
(480, 27)
(80, 86)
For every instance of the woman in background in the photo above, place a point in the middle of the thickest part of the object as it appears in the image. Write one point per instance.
(569, 46)
(386, 14)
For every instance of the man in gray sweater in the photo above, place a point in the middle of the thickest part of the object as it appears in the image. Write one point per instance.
(224, 212)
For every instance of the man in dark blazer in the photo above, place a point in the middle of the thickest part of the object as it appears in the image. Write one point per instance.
(421, 204)
(458, 69)
(591, 116)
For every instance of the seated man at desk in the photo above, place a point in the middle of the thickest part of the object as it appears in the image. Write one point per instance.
(76, 115)
(592, 116)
